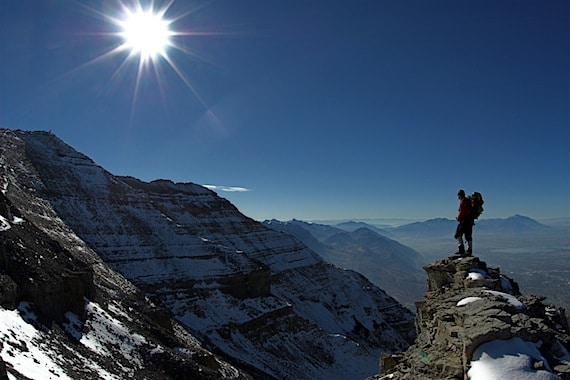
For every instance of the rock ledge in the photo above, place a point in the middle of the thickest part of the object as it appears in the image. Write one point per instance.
(468, 304)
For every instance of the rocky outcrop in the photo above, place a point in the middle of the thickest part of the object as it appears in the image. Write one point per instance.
(466, 305)
(35, 268)
(255, 283)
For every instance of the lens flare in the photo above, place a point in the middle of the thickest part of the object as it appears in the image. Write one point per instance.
(147, 37)
(146, 33)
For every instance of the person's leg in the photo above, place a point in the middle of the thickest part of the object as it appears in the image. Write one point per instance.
(459, 236)
(460, 247)
(469, 247)
(469, 238)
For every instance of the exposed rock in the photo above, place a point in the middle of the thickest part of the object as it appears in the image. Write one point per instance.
(8, 292)
(255, 283)
(35, 268)
(468, 304)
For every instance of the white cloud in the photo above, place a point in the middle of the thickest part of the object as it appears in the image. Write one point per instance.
(231, 189)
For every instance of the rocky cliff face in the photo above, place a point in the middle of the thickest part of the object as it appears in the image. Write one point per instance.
(256, 295)
(467, 310)
(65, 314)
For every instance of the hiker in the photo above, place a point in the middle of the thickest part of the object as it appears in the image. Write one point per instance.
(465, 225)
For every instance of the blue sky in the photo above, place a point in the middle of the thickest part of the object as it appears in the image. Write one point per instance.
(320, 109)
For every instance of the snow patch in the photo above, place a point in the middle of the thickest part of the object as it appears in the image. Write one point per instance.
(508, 359)
(509, 298)
(4, 224)
(468, 300)
(103, 331)
(23, 349)
(475, 276)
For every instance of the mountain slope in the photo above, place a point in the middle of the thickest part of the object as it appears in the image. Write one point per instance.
(65, 314)
(255, 294)
(389, 264)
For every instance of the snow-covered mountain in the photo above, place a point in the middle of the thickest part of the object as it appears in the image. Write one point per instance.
(255, 295)
(389, 264)
(64, 314)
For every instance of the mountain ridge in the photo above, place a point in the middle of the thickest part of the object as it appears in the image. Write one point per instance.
(259, 297)
(65, 313)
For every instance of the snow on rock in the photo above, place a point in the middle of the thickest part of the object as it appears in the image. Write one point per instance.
(4, 224)
(476, 275)
(512, 300)
(506, 284)
(484, 326)
(37, 360)
(100, 334)
(101, 347)
(509, 359)
(64, 313)
(468, 300)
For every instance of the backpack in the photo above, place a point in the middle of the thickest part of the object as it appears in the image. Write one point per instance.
(476, 202)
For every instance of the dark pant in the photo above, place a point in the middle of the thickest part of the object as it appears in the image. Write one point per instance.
(464, 227)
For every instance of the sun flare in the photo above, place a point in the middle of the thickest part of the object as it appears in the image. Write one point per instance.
(148, 40)
(146, 33)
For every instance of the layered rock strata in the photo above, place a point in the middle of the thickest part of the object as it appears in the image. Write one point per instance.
(65, 314)
(254, 294)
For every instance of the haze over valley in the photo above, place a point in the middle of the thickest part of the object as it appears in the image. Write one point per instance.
(536, 254)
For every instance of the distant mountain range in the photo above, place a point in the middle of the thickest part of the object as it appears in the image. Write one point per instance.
(389, 264)
(377, 251)
(442, 226)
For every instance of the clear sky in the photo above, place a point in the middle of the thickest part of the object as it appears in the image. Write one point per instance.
(319, 109)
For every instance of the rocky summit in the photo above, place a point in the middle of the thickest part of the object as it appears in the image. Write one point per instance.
(103, 276)
(473, 323)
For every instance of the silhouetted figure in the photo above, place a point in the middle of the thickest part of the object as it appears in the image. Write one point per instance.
(464, 225)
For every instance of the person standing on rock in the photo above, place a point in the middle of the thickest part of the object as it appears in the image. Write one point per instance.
(464, 225)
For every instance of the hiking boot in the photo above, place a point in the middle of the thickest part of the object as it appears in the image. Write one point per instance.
(469, 252)
(461, 250)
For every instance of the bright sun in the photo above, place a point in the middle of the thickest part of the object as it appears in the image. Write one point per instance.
(147, 38)
(146, 33)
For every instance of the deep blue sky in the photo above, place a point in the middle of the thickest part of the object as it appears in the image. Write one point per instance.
(321, 109)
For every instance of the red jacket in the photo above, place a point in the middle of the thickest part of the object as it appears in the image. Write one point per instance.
(464, 210)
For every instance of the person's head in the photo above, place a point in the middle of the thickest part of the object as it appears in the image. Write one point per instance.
(461, 194)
